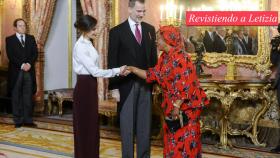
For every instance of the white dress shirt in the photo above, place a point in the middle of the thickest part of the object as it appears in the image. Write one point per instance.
(19, 38)
(246, 39)
(211, 35)
(133, 26)
(86, 60)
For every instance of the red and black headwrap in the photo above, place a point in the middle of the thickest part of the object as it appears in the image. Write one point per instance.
(171, 35)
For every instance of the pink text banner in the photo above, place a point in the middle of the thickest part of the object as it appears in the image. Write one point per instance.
(231, 18)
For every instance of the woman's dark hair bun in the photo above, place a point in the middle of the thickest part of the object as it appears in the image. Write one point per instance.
(85, 23)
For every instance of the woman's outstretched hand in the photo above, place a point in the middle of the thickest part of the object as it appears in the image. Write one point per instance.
(124, 70)
(131, 69)
(139, 72)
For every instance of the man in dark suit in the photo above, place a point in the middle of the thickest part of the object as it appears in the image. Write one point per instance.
(239, 47)
(22, 53)
(275, 60)
(133, 43)
(248, 42)
(219, 44)
(208, 40)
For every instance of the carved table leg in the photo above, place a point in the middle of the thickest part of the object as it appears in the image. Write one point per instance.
(224, 142)
(266, 105)
(223, 136)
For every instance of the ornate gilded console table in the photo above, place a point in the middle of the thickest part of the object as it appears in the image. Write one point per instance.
(227, 91)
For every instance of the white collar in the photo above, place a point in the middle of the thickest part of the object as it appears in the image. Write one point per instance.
(18, 35)
(83, 39)
(132, 22)
(221, 36)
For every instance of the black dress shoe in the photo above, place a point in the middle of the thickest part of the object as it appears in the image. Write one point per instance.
(32, 125)
(18, 125)
(276, 150)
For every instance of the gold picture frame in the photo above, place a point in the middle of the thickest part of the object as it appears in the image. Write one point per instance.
(259, 62)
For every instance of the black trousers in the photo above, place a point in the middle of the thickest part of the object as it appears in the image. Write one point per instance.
(22, 99)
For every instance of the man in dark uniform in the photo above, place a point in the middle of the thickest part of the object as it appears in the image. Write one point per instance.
(22, 53)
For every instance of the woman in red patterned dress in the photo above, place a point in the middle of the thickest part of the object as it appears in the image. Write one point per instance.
(176, 75)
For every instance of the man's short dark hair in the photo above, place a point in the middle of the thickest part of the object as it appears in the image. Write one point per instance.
(131, 3)
(18, 19)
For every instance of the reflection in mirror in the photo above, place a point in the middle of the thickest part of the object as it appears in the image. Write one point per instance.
(219, 39)
(236, 40)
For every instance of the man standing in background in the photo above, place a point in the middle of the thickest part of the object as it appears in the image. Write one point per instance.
(219, 43)
(22, 53)
(247, 41)
(133, 43)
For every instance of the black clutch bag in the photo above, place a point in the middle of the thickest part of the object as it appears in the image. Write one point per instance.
(174, 125)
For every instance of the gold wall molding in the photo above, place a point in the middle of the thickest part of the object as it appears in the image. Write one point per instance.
(114, 15)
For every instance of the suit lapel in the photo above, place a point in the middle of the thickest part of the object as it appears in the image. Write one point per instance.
(17, 41)
(131, 38)
(146, 40)
(27, 40)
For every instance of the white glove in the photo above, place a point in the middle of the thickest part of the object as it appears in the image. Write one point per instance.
(116, 94)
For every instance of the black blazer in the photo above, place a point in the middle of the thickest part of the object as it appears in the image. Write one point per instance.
(18, 55)
(122, 51)
(208, 41)
(219, 44)
(248, 45)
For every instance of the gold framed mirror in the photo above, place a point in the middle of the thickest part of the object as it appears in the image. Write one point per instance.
(254, 57)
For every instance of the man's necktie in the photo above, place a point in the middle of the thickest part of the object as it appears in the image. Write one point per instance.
(138, 35)
(22, 41)
(246, 39)
(212, 36)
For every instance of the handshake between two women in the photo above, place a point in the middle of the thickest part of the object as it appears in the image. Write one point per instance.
(126, 70)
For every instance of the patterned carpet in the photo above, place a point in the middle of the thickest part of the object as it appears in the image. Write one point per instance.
(40, 143)
(31, 143)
